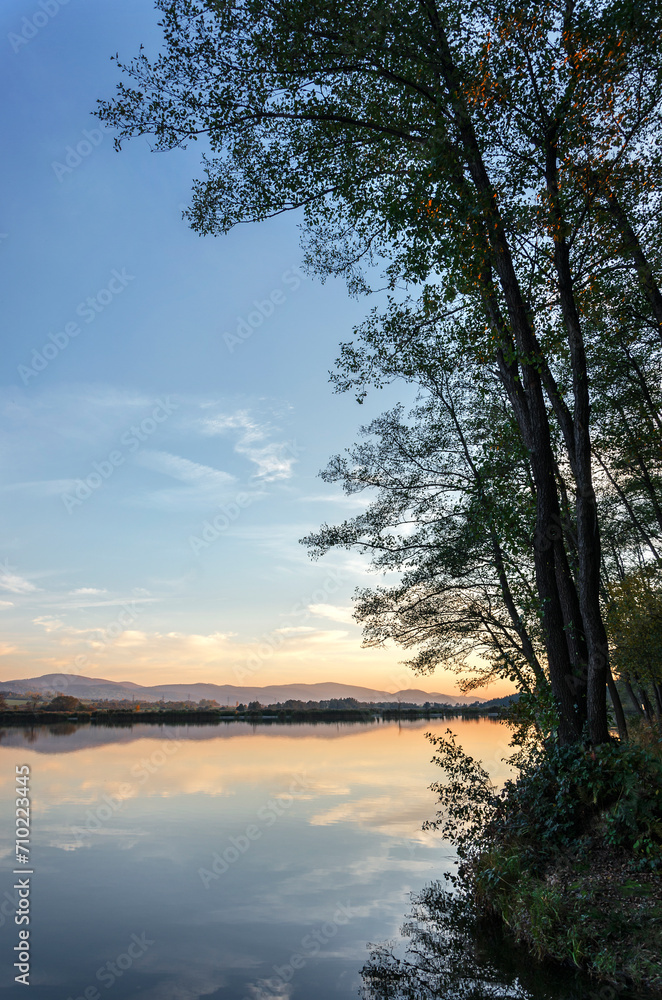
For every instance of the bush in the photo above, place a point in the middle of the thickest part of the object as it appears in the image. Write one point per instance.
(569, 854)
(570, 798)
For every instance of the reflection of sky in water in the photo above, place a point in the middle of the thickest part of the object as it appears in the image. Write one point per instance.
(314, 832)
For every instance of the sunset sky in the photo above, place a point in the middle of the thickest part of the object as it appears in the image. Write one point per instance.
(133, 414)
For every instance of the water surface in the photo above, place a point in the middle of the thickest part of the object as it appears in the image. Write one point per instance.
(226, 861)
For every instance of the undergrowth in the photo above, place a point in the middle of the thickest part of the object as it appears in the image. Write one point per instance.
(568, 853)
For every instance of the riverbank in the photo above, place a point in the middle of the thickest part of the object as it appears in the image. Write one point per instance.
(569, 857)
(599, 914)
(214, 716)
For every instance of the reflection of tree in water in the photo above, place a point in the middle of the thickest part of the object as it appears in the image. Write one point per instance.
(451, 956)
(62, 728)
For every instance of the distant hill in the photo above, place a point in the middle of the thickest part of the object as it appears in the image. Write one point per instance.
(98, 687)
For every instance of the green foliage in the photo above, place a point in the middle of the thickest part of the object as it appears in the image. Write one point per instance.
(570, 798)
(609, 927)
(467, 797)
(568, 854)
(564, 799)
(634, 624)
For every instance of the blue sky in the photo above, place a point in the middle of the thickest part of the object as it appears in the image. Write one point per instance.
(158, 469)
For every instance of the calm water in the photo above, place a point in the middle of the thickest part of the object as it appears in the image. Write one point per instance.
(235, 862)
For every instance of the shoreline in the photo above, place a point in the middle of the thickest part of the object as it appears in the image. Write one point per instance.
(212, 717)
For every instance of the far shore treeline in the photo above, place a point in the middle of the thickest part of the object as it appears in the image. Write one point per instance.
(21, 708)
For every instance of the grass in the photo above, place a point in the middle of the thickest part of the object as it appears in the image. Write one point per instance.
(596, 914)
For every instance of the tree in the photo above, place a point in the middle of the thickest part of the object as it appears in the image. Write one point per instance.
(507, 158)
(634, 621)
(453, 514)
(63, 703)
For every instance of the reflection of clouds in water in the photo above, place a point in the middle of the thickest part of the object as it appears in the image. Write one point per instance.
(65, 840)
(401, 817)
(189, 986)
(316, 788)
(351, 833)
(205, 971)
(366, 760)
(263, 990)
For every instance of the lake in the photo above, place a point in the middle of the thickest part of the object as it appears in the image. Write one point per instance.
(231, 861)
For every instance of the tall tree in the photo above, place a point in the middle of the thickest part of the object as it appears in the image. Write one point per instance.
(509, 157)
(634, 622)
(453, 514)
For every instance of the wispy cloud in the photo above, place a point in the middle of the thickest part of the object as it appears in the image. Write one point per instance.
(41, 487)
(274, 459)
(203, 484)
(88, 590)
(345, 499)
(11, 581)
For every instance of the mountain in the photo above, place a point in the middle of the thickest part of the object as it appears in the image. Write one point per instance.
(224, 694)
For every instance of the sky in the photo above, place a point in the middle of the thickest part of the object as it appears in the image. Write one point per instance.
(159, 469)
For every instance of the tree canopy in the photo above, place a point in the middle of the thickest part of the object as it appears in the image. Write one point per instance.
(505, 163)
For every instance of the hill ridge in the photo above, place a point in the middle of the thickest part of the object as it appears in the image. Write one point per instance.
(99, 687)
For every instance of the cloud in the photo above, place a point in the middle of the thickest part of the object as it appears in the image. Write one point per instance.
(13, 582)
(274, 459)
(87, 590)
(48, 623)
(42, 487)
(203, 485)
(333, 613)
(6, 604)
(348, 500)
(111, 602)
(294, 630)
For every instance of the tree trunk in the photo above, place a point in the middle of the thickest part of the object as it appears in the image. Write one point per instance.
(618, 707)
(633, 698)
(645, 701)
(579, 453)
(526, 395)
